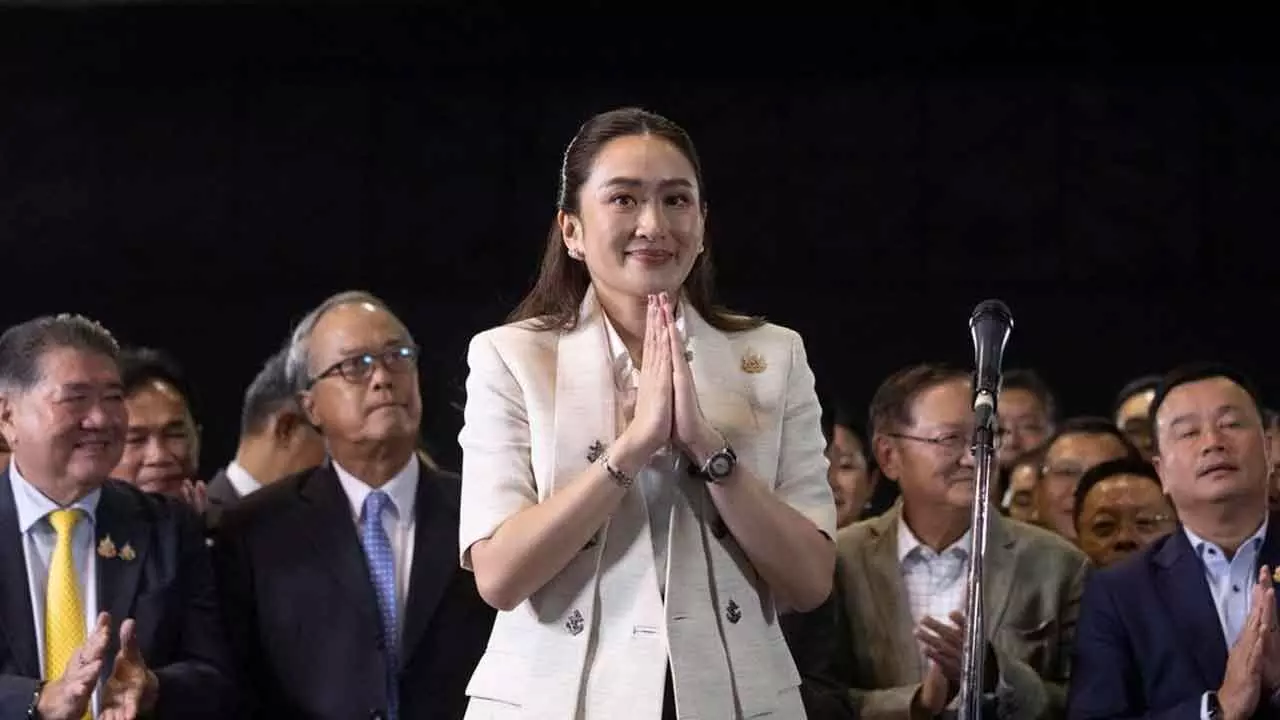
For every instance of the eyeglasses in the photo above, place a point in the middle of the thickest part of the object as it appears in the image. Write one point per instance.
(951, 442)
(358, 368)
(1145, 524)
(1064, 472)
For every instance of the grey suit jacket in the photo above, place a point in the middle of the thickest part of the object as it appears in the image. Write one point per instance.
(1032, 587)
(222, 495)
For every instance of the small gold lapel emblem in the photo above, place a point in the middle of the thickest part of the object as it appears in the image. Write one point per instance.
(127, 553)
(753, 363)
(106, 548)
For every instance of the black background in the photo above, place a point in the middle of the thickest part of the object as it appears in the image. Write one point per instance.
(198, 176)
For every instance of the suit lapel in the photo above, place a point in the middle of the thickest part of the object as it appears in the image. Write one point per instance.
(898, 651)
(1180, 581)
(722, 394)
(434, 558)
(337, 546)
(120, 518)
(585, 414)
(999, 565)
(15, 596)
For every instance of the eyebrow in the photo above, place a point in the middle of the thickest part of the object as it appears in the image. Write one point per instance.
(1220, 410)
(351, 352)
(78, 387)
(635, 182)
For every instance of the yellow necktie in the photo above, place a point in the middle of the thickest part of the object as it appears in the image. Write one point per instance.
(63, 613)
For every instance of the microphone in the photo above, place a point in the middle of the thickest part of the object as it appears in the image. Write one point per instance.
(990, 325)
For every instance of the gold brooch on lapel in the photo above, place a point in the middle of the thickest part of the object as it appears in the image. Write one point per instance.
(127, 553)
(753, 363)
(106, 548)
(1275, 576)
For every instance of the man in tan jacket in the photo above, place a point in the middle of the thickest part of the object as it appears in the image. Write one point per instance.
(888, 642)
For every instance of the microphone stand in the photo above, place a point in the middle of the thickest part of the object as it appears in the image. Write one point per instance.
(972, 670)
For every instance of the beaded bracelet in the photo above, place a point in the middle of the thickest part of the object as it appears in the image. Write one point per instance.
(622, 479)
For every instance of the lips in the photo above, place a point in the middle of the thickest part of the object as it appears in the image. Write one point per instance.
(384, 405)
(650, 255)
(1216, 467)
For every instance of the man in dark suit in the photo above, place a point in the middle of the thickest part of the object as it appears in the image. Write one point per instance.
(1186, 628)
(107, 603)
(275, 441)
(341, 584)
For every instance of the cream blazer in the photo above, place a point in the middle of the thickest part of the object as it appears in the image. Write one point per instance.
(590, 644)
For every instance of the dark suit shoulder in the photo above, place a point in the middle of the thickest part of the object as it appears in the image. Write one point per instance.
(157, 508)
(1135, 569)
(269, 501)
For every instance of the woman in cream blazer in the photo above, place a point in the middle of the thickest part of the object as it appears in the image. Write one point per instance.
(644, 485)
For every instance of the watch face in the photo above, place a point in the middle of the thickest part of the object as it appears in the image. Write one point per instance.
(720, 466)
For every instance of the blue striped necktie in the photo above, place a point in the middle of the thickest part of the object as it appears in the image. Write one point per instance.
(382, 567)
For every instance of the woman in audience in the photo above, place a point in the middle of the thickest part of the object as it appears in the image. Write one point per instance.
(643, 471)
(860, 490)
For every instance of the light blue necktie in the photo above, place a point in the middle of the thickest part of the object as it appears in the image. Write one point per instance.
(382, 566)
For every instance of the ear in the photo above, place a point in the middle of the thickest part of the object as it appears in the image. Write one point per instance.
(284, 425)
(571, 230)
(307, 401)
(887, 457)
(7, 427)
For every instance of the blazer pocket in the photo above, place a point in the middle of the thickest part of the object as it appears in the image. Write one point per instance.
(499, 677)
(1043, 632)
(1034, 645)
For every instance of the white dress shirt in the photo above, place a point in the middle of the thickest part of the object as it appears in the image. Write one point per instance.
(658, 479)
(240, 479)
(1231, 583)
(38, 542)
(935, 581)
(397, 519)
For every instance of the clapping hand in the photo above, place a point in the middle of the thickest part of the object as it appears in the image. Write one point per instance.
(196, 494)
(67, 698)
(132, 688)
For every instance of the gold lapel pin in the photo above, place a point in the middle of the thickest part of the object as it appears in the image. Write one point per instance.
(127, 553)
(1275, 576)
(753, 363)
(106, 548)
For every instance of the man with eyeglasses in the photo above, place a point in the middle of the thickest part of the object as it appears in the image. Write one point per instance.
(1078, 444)
(1120, 509)
(893, 628)
(341, 584)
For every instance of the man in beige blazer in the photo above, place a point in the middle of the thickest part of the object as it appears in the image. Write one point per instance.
(875, 650)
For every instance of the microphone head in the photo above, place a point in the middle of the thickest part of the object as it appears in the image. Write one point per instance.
(991, 310)
(990, 325)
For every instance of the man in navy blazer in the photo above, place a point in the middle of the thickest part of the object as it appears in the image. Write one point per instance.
(1186, 629)
(144, 623)
(341, 584)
